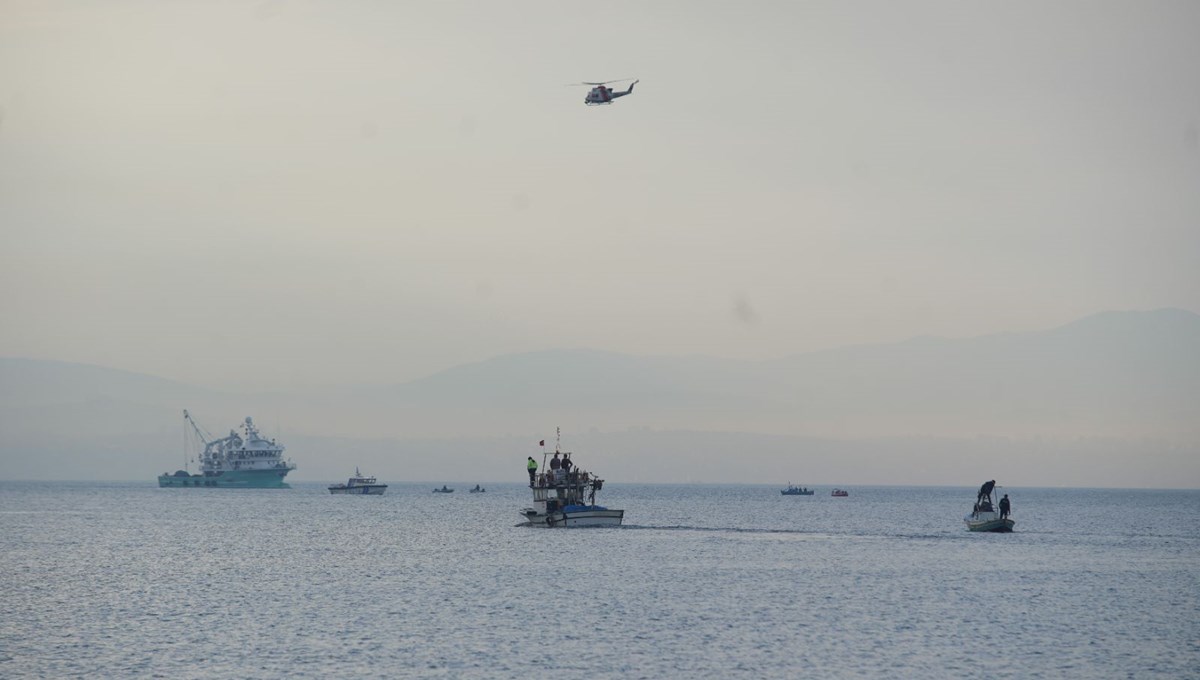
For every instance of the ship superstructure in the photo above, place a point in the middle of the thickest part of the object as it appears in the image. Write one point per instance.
(243, 459)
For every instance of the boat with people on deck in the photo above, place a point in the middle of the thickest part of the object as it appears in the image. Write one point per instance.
(565, 496)
(478, 489)
(986, 514)
(793, 490)
(444, 489)
(244, 460)
(359, 485)
(840, 493)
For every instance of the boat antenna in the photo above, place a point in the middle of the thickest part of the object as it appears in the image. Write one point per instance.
(557, 438)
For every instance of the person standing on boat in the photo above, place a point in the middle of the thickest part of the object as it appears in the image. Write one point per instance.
(532, 467)
(985, 491)
(1004, 507)
(555, 463)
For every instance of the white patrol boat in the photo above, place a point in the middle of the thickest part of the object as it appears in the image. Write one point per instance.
(566, 497)
(360, 486)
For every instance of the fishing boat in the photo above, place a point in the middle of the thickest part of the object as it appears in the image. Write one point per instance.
(444, 489)
(359, 485)
(796, 491)
(566, 497)
(987, 515)
(244, 460)
(478, 489)
(840, 493)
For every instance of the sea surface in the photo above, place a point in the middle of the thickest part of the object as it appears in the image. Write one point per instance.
(709, 581)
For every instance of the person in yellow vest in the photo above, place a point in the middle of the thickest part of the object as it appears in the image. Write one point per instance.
(532, 467)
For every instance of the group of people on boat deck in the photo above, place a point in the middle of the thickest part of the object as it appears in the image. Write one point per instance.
(562, 470)
(983, 502)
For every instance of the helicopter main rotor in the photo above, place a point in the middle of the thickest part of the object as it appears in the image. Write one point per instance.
(606, 82)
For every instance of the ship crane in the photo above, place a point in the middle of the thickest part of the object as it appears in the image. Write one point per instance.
(204, 436)
(200, 433)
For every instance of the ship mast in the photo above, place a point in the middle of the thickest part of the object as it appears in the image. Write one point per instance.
(184, 444)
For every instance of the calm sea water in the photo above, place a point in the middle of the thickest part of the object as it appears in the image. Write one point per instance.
(116, 580)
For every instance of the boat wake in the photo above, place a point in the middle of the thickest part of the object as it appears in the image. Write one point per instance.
(734, 530)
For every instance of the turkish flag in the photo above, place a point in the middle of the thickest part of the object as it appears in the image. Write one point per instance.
(542, 443)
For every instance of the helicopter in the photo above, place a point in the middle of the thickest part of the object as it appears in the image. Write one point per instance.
(601, 95)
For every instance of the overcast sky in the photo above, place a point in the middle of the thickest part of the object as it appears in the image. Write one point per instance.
(265, 195)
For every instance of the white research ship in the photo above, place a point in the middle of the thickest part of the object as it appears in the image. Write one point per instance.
(566, 497)
(238, 461)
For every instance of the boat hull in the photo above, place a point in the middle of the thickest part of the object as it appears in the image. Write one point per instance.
(575, 518)
(230, 479)
(366, 490)
(797, 493)
(993, 525)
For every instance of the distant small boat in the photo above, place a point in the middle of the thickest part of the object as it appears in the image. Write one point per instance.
(796, 491)
(984, 516)
(444, 489)
(840, 493)
(360, 486)
(478, 489)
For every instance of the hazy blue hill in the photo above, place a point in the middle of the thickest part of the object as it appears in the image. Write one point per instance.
(585, 378)
(27, 382)
(60, 400)
(1112, 374)
(1132, 375)
(1116, 372)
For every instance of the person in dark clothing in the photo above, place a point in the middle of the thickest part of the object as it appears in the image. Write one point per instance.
(1004, 507)
(555, 463)
(566, 463)
(985, 491)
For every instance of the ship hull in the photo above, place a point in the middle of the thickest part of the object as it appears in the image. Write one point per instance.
(580, 518)
(375, 490)
(998, 526)
(232, 479)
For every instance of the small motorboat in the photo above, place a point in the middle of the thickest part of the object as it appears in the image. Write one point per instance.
(478, 489)
(796, 491)
(840, 493)
(985, 516)
(444, 489)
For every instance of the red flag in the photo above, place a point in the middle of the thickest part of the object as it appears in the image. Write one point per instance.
(542, 443)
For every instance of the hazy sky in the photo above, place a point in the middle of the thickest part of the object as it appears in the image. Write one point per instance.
(269, 194)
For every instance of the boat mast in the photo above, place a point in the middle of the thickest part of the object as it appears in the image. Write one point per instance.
(184, 443)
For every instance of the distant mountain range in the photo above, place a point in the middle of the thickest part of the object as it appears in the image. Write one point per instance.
(1114, 374)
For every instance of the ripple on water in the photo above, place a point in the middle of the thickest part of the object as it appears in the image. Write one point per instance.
(132, 580)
